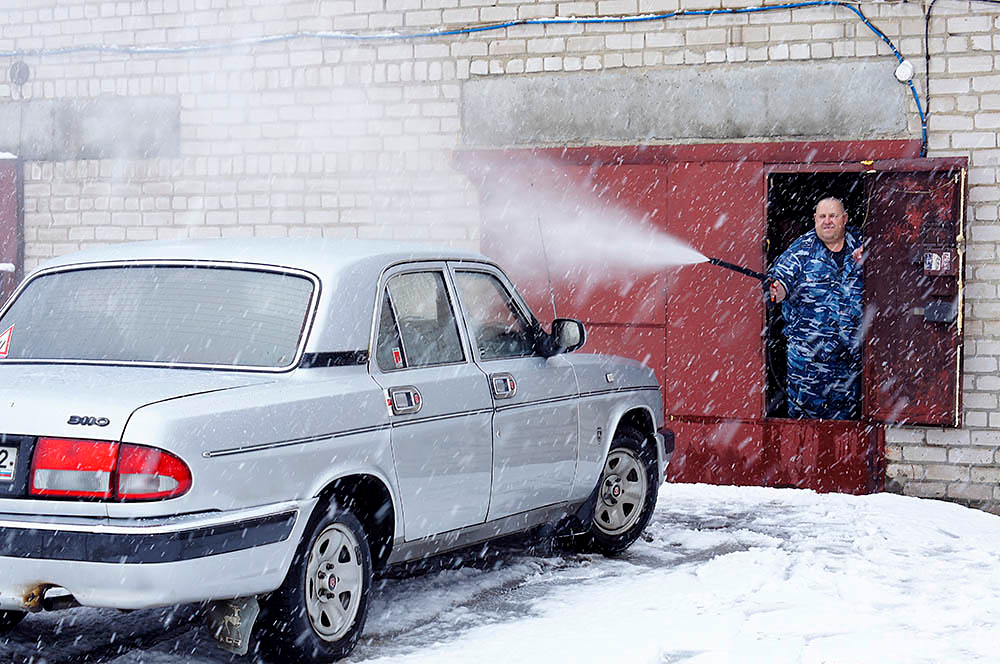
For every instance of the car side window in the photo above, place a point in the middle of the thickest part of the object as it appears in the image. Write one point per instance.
(498, 327)
(417, 326)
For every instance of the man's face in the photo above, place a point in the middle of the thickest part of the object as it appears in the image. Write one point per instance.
(831, 221)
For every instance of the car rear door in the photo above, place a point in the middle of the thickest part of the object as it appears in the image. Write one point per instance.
(536, 421)
(439, 403)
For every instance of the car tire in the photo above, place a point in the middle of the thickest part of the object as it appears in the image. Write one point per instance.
(10, 619)
(308, 619)
(626, 493)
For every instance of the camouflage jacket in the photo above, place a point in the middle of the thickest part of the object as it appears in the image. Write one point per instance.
(823, 308)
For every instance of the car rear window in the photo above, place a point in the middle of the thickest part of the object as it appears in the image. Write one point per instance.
(160, 314)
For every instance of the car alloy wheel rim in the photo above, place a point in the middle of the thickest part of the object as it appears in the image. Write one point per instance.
(334, 580)
(622, 493)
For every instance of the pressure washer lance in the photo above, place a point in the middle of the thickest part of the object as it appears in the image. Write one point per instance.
(765, 281)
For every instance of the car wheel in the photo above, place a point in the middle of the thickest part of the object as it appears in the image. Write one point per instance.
(10, 619)
(626, 494)
(318, 613)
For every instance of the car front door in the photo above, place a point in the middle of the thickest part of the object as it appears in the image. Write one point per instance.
(439, 402)
(536, 421)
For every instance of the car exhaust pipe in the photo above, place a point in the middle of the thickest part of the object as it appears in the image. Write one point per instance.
(59, 602)
(42, 598)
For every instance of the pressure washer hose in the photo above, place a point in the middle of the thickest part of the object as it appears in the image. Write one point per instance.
(763, 278)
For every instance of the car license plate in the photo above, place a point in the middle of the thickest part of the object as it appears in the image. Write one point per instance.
(8, 462)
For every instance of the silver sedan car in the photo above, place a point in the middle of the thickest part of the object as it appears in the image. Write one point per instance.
(262, 425)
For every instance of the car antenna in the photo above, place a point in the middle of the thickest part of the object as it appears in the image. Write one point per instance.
(545, 259)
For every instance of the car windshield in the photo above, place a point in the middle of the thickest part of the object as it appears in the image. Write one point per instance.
(160, 314)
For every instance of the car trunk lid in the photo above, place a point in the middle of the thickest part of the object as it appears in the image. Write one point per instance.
(95, 402)
(82, 402)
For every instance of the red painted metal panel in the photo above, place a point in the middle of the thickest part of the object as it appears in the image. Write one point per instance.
(642, 343)
(11, 238)
(719, 452)
(846, 457)
(631, 202)
(714, 316)
(913, 272)
(805, 152)
(824, 456)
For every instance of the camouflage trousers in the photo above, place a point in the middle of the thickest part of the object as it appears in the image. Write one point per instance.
(823, 390)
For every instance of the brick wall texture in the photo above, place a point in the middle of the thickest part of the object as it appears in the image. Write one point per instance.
(348, 138)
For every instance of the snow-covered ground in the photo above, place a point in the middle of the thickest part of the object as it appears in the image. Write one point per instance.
(723, 574)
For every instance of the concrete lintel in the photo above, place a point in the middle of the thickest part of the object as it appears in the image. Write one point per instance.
(842, 99)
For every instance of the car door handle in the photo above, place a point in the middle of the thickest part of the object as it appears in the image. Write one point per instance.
(404, 400)
(503, 384)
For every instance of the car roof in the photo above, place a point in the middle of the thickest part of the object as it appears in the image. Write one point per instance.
(348, 271)
(316, 255)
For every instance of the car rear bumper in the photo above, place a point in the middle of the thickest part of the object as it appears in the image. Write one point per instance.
(142, 563)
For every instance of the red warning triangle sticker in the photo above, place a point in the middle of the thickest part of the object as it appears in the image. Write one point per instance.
(5, 341)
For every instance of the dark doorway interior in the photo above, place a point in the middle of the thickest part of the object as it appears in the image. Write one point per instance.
(791, 200)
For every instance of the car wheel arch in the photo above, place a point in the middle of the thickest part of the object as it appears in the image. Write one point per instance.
(639, 417)
(369, 498)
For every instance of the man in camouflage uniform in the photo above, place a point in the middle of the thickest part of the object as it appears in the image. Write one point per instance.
(818, 282)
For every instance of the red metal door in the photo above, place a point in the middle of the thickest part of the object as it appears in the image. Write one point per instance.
(11, 232)
(913, 292)
(714, 316)
(715, 352)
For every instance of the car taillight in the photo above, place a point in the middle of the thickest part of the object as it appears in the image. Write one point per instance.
(70, 468)
(146, 473)
(73, 468)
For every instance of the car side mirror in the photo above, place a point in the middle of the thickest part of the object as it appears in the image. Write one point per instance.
(567, 335)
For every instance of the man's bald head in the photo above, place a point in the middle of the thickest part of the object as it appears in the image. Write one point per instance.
(831, 222)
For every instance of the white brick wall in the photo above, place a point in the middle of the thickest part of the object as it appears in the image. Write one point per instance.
(349, 139)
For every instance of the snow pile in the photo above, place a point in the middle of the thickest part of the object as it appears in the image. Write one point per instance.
(762, 575)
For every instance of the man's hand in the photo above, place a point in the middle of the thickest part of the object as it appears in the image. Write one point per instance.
(858, 255)
(777, 291)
